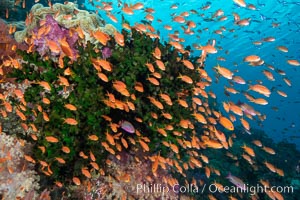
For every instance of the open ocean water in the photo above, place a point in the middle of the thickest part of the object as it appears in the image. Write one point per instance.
(282, 113)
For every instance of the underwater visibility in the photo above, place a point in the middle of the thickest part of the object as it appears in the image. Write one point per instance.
(149, 99)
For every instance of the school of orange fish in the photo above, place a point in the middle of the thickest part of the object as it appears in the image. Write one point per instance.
(199, 107)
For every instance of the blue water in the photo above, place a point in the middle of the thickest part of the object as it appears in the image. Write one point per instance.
(281, 124)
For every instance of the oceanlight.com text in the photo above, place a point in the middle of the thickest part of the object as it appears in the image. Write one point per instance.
(209, 188)
(252, 190)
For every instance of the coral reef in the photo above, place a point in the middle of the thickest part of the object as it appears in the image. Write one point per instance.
(8, 45)
(67, 16)
(128, 101)
(9, 121)
(102, 94)
(106, 52)
(17, 176)
(127, 178)
(56, 34)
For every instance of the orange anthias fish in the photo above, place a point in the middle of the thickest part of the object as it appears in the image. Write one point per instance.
(226, 73)
(157, 103)
(137, 6)
(155, 163)
(188, 64)
(20, 114)
(245, 124)
(269, 75)
(45, 85)
(70, 121)
(157, 53)
(86, 172)
(63, 81)
(110, 138)
(293, 62)
(226, 123)
(252, 58)
(269, 150)
(270, 166)
(282, 49)
(126, 26)
(6, 13)
(186, 79)
(179, 19)
(257, 143)
(51, 139)
(53, 46)
(119, 85)
(8, 106)
(209, 49)
(213, 144)
(220, 135)
(103, 77)
(46, 100)
(70, 107)
(119, 38)
(46, 117)
(248, 150)
(260, 89)
(112, 17)
(66, 149)
(76, 180)
(200, 118)
(174, 148)
(103, 63)
(93, 137)
(66, 49)
(154, 81)
(139, 87)
(144, 145)
(29, 159)
(60, 160)
(160, 65)
(101, 37)
(127, 10)
(259, 101)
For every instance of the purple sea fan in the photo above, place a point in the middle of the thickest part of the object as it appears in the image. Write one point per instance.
(106, 52)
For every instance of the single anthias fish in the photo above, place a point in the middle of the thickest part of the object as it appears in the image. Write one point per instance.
(236, 181)
(127, 126)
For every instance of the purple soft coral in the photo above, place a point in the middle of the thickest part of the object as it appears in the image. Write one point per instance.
(106, 52)
(56, 34)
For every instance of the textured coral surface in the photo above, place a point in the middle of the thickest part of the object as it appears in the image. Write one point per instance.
(17, 177)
